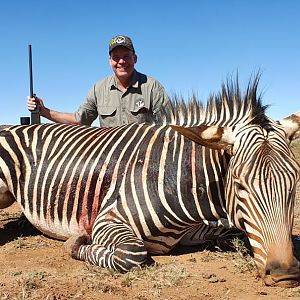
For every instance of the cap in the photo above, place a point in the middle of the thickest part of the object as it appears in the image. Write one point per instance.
(120, 40)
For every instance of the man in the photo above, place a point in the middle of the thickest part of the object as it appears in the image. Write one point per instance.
(125, 97)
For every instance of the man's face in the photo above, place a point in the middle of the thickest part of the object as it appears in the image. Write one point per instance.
(122, 61)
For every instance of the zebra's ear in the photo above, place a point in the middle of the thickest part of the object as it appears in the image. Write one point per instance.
(291, 126)
(213, 137)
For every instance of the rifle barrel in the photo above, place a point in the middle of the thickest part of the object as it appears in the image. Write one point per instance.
(35, 114)
(30, 71)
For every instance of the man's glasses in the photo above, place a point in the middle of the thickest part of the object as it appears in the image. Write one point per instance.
(118, 58)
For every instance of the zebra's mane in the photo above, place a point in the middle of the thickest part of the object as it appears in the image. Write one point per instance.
(4, 127)
(227, 108)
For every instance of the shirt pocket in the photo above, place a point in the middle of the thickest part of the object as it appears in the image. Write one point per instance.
(107, 110)
(108, 117)
(140, 111)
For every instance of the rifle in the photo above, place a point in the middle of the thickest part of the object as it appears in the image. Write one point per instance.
(35, 114)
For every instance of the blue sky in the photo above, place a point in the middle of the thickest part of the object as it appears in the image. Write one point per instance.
(189, 46)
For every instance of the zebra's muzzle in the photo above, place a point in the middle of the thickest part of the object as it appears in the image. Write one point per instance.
(281, 282)
(281, 275)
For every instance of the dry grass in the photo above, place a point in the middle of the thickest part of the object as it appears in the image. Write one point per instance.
(27, 283)
(242, 259)
(155, 278)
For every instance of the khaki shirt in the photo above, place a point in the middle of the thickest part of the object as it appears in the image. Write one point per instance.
(141, 102)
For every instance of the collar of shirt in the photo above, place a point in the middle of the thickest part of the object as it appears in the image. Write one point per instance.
(134, 81)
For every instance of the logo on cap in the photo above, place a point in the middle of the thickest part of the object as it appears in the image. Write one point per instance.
(120, 39)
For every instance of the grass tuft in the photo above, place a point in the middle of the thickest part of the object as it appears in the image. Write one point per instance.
(242, 260)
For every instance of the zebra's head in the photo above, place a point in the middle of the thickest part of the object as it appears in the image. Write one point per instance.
(261, 177)
(260, 193)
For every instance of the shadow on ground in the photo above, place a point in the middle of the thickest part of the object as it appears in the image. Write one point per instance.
(14, 228)
(296, 243)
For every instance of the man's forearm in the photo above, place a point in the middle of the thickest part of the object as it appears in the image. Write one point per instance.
(59, 117)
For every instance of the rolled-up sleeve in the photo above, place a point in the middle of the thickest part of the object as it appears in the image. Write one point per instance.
(160, 100)
(87, 112)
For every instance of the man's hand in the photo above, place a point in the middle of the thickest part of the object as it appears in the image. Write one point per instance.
(31, 103)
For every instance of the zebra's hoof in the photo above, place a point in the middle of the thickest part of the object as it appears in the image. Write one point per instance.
(72, 245)
(149, 262)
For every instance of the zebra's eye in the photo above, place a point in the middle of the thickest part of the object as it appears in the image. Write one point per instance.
(240, 191)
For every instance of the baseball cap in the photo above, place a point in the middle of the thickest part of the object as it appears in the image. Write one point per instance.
(121, 40)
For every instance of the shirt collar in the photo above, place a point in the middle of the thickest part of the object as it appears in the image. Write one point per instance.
(134, 82)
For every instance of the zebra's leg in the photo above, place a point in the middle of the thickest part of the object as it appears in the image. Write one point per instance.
(213, 235)
(74, 242)
(121, 250)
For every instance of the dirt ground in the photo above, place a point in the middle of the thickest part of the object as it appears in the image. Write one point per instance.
(36, 267)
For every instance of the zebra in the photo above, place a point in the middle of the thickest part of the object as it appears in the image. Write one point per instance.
(120, 195)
